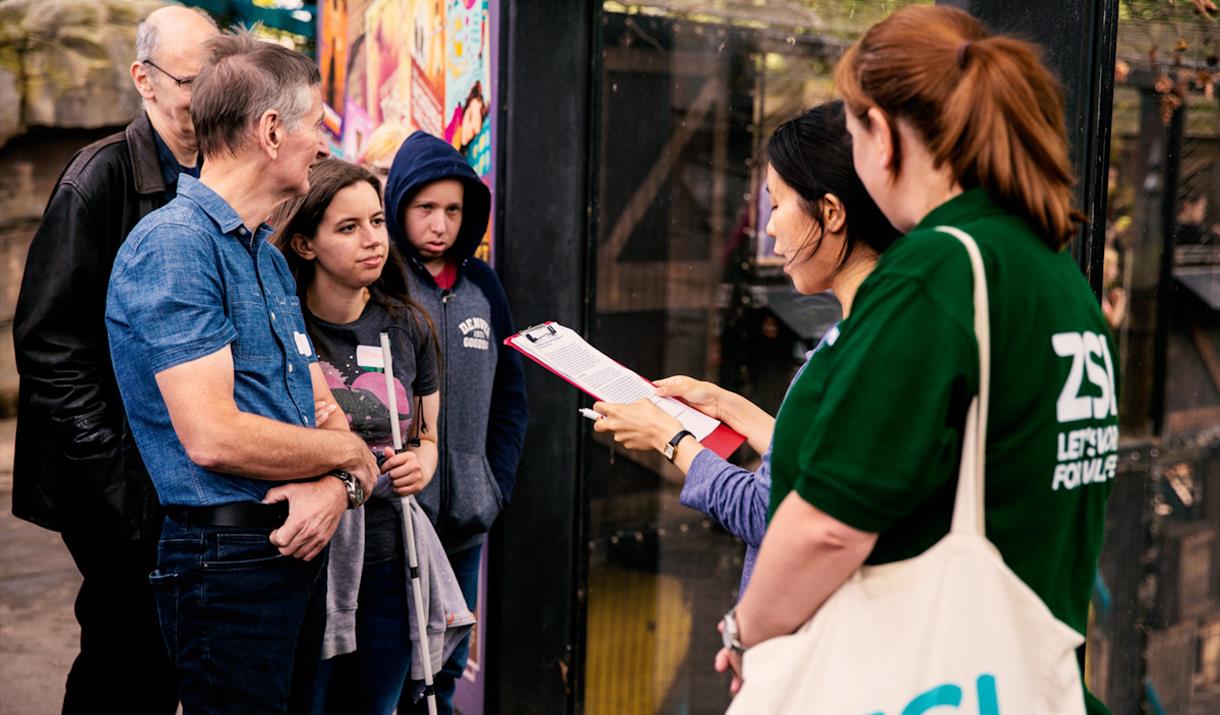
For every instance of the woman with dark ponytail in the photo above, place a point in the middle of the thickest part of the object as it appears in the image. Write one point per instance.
(957, 134)
(830, 234)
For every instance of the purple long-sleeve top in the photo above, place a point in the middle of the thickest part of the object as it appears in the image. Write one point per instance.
(736, 498)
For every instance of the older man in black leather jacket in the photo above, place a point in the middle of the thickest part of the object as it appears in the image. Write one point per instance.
(76, 468)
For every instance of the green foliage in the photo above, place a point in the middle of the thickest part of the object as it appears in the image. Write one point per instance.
(1168, 10)
(1178, 31)
(844, 19)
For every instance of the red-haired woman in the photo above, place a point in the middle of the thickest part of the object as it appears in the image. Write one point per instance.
(951, 127)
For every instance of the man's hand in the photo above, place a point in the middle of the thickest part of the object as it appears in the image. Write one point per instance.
(405, 472)
(638, 425)
(361, 463)
(314, 509)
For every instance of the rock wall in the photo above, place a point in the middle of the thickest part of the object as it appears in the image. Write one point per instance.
(64, 63)
(64, 66)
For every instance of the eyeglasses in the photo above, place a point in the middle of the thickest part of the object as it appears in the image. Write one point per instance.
(180, 81)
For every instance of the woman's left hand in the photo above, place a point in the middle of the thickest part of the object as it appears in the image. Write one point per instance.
(323, 409)
(405, 472)
(637, 425)
(730, 660)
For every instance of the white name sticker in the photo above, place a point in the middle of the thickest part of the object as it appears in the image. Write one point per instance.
(302, 343)
(369, 356)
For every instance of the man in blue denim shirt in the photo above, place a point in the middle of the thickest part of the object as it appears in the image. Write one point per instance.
(220, 384)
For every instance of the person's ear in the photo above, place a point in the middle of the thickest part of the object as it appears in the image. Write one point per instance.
(303, 247)
(141, 78)
(834, 214)
(881, 134)
(270, 131)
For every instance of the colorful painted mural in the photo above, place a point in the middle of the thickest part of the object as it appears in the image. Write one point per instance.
(390, 67)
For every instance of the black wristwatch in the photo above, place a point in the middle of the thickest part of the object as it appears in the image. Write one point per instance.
(355, 492)
(672, 447)
(729, 635)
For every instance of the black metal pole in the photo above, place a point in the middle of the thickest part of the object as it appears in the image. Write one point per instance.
(541, 219)
(1169, 227)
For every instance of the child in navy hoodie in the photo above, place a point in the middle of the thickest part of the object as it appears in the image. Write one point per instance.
(437, 211)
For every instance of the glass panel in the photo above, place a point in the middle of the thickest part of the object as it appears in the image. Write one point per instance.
(1155, 642)
(685, 284)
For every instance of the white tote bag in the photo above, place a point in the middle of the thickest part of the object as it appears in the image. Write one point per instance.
(952, 630)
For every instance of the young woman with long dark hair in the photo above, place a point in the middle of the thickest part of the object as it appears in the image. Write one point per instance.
(830, 234)
(352, 289)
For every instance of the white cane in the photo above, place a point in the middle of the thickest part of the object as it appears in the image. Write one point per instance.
(408, 502)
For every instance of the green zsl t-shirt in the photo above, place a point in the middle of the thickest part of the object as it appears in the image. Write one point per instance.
(871, 432)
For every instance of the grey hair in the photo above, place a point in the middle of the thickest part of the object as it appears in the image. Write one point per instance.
(242, 79)
(148, 35)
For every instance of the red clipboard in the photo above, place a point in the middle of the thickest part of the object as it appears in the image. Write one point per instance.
(723, 440)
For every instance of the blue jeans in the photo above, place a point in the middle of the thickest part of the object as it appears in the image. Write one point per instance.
(465, 566)
(242, 623)
(370, 680)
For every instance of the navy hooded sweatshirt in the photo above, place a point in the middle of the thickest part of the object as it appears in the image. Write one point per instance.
(483, 408)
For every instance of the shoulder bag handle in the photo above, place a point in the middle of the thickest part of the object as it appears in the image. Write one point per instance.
(968, 509)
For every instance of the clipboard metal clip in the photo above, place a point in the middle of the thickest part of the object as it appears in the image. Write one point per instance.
(549, 328)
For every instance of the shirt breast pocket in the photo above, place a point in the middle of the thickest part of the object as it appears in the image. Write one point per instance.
(298, 350)
(252, 320)
(290, 320)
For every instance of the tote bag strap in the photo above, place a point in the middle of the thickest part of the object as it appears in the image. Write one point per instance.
(968, 510)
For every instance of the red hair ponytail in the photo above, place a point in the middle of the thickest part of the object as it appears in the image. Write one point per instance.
(985, 106)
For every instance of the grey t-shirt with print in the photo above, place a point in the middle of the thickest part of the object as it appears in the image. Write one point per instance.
(350, 358)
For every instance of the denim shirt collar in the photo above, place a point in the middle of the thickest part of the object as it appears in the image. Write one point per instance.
(216, 207)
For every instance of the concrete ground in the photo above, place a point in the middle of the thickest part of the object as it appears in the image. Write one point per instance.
(38, 583)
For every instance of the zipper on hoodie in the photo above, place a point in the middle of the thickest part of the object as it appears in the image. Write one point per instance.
(443, 506)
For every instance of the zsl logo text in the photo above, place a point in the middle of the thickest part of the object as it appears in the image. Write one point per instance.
(1090, 357)
(1087, 454)
(950, 696)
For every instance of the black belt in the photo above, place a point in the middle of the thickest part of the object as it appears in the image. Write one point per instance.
(242, 514)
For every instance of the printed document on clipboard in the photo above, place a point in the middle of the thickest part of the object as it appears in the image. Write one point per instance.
(562, 351)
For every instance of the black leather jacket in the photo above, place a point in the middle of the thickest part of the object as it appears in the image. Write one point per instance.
(76, 467)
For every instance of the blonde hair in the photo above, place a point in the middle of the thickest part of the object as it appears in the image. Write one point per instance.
(985, 106)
